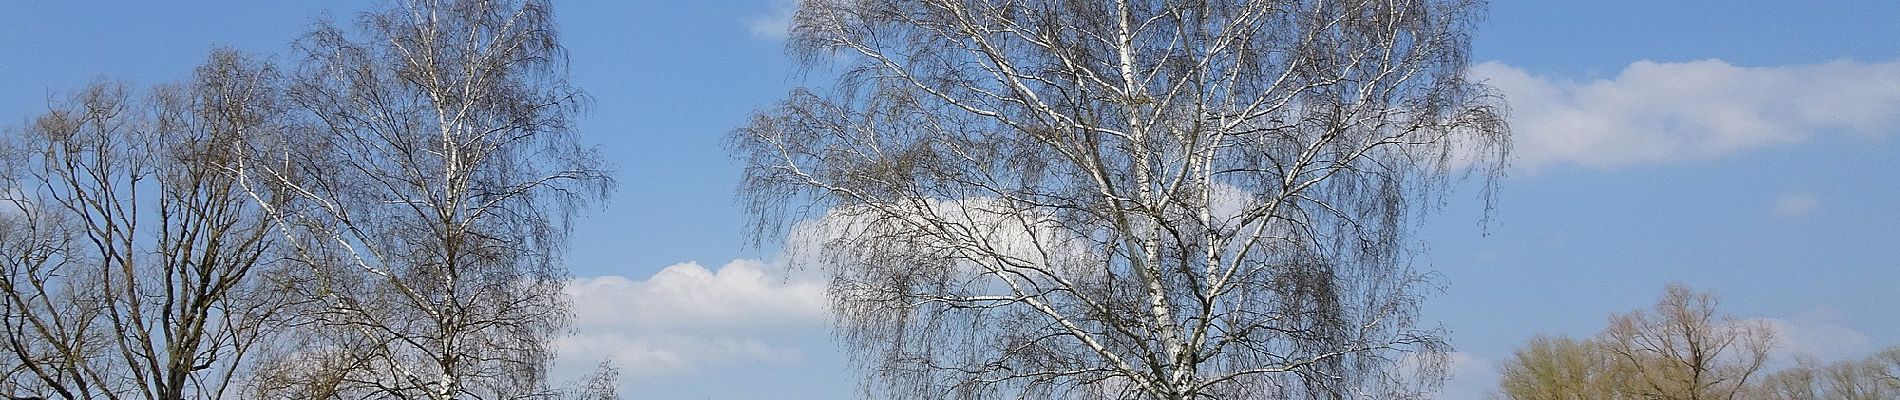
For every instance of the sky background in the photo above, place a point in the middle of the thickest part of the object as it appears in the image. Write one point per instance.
(1740, 148)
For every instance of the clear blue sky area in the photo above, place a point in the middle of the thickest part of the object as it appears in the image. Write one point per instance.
(1800, 226)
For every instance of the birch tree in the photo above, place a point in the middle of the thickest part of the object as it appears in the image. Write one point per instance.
(433, 178)
(1125, 199)
(134, 267)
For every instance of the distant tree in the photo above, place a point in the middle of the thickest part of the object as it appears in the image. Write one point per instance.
(1680, 350)
(1126, 199)
(1875, 377)
(432, 181)
(1795, 383)
(131, 263)
(1559, 369)
(1683, 350)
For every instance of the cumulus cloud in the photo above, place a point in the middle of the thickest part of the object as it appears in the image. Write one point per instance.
(687, 317)
(1818, 336)
(1655, 112)
(660, 355)
(744, 295)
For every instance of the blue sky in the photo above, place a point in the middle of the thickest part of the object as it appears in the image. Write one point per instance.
(1743, 148)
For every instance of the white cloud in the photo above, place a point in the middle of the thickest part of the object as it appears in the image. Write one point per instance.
(659, 355)
(776, 24)
(1467, 376)
(14, 203)
(1796, 204)
(744, 295)
(1471, 377)
(686, 317)
(1659, 112)
(1818, 336)
(997, 227)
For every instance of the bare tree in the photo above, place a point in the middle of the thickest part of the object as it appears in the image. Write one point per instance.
(1683, 350)
(1680, 350)
(1126, 199)
(134, 266)
(1875, 377)
(432, 185)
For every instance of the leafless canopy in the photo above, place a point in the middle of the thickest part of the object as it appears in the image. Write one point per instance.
(1685, 351)
(131, 264)
(1873, 378)
(1125, 199)
(433, 175)
(1682, 350)
(384, 220)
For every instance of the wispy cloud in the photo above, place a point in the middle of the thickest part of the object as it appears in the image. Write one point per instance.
(1796, 204)
(1471, 377)
(14, 203)
(1658, 112)
(1817, 335)
(776, 24)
